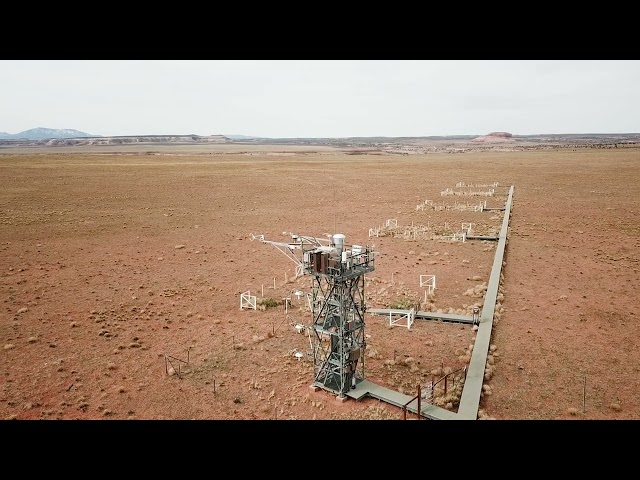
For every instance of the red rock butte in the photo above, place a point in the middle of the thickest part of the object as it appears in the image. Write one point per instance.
(494, 137)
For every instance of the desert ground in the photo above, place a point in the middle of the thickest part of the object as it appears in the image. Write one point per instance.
(121, 273)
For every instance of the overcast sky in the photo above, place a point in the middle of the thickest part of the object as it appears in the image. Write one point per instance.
(321, 98)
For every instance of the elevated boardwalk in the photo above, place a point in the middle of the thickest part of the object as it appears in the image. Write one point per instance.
(398, 399)
(481, 237)
(470, 399)
(445, 317)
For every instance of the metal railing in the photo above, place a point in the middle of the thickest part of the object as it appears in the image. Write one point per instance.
(404, 407)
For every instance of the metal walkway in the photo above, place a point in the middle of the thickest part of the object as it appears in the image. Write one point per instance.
(445, 317)
(470, 399)
(481, 237)
(398, 399)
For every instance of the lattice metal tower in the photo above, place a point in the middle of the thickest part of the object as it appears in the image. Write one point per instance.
(338, 305)
(338, 308)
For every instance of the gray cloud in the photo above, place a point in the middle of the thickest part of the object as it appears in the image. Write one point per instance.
(317, 98)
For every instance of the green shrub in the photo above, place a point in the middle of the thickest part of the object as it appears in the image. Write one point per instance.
(270, 302)
(404, 303)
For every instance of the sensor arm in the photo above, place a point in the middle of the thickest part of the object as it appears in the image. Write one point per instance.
(284, 247)
(299, 242)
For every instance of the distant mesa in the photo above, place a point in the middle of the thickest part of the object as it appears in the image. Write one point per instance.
(494, 137)
(138, 139)
(69, 137)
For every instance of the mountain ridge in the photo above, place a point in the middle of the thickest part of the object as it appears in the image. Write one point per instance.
(43, 133)
(41, 136)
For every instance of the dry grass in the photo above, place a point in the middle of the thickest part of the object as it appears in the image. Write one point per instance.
(89, 236)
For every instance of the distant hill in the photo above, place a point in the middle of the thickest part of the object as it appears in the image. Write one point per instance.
(494, 137)
(120, 140)
(42, 133)
(496, 140)
(139, 139)
(68, 137)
